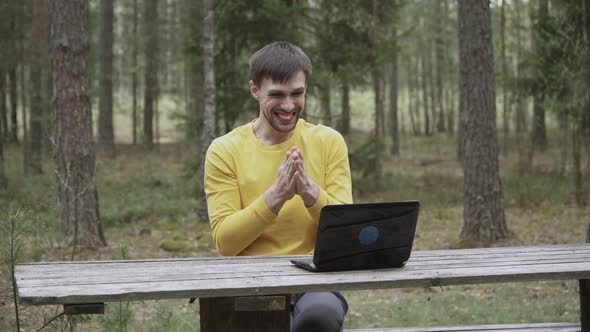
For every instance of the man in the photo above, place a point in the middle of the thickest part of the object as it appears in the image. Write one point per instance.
(267, 180)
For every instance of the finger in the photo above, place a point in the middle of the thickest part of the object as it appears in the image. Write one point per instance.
(301, 168)
(299, 154)
(290, 168)
(294, 181)
(298, 164)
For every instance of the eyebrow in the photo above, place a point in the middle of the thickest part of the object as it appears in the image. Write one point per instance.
(300, 89)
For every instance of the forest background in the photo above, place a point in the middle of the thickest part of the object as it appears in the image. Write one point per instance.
(162, 78)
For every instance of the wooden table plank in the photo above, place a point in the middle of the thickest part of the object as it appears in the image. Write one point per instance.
(122, 268)
(84, 282)
(531, 327)
(35, 275)
(71, 278)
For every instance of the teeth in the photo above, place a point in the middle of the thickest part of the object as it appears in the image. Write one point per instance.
(285, 116)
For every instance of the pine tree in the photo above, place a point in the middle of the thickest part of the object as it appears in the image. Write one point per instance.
(209, 116)
(74, 150)
(106, 135)
(483, 209)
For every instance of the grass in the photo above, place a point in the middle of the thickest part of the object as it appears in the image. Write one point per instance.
(148, 206)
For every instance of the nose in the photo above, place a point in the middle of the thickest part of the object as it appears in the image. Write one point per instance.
(288, 104)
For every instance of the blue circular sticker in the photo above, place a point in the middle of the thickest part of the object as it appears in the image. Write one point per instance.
(368, 235)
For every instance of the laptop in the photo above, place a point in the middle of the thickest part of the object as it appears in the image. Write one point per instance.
(363, 236)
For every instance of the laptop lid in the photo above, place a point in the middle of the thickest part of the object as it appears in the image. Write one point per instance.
(365, 236)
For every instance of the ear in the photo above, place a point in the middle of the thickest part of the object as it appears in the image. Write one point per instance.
(253, 89)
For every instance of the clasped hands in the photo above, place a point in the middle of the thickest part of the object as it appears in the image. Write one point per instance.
(291, 180)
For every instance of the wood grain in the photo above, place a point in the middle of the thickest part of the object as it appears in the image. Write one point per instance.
(108, 281)
(544, 327)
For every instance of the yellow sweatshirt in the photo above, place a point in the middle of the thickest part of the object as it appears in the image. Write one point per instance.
(239, 169)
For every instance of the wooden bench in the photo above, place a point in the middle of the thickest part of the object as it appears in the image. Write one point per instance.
(245, 293)
(543, 327)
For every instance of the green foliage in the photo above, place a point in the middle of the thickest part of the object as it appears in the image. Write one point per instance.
(448, 306)
(362, 165)
(15, 227)
(143, 196)
(554, 69)
(117, 317)
(176, 242)
(190, 173)
(174, 316)
(533, 191)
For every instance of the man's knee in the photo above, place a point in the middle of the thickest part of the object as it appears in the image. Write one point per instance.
(318, 312)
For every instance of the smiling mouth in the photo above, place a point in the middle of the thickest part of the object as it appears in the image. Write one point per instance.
(285, 117)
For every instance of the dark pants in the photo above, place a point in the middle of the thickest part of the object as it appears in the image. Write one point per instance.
(318, 312)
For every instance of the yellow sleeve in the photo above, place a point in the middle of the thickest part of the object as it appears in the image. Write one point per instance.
(338, 184)
(233, 227)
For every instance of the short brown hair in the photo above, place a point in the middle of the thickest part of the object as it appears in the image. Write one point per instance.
(279, 61)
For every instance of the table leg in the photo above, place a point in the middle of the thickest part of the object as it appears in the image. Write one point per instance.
(246, 314)
(585, 297)
(585, 304)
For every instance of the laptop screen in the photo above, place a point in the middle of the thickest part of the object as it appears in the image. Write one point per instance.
(370, 234)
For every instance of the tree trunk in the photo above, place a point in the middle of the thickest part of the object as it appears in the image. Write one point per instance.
(505, 105)
(401, 120)
(432, 91)
(157, 122)
(449, 88)
(393, 110)
(23, 95)
(325, 98)
(13, 64)
(411, 108)
(209, 116)
(451, 120)
(580, 194)
(538, 139)
(13, 104)
(440, 63)
(36, 131)
(483, 211)
(423, 80)
(134, 70)
(461, 129)
(564, 139)
(196, 82)
(415, 97)
(377, 76)
(12, 87)
(539, 131)
(345, 125)
(151, 71)
(74, 150)
(47, 97)
(106, 143)
(521, 104)
(3, 179)
(520, 114)
(3, 111)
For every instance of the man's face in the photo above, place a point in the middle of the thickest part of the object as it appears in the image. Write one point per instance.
(281, 104)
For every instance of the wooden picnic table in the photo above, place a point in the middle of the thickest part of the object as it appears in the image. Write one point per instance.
(97, 282)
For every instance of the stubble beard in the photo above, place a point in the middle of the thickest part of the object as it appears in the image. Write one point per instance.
(280, 127)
